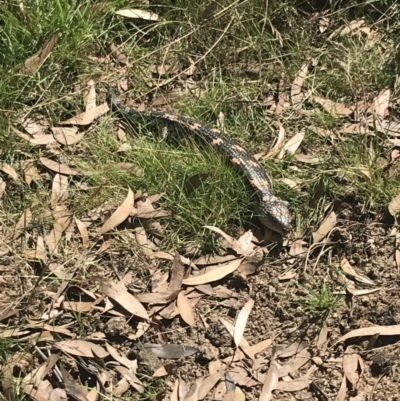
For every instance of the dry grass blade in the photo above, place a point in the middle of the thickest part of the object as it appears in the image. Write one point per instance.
(120, 215)
(119, 294)
(242, 321)
(213, 275)
(185, 309)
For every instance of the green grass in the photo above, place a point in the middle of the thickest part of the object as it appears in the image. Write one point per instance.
(319, 301)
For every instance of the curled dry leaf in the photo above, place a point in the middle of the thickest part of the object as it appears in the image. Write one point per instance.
(325, 228)
(241, 321)
(137, 13)
(236, 245)
(57, 167)
(394, 205)
(294, 142)
(214, 274)
(81, 348)
(6, 168)
(83, 232)
(33, 63)
(297, 85)
(119, 294)
(120, 215)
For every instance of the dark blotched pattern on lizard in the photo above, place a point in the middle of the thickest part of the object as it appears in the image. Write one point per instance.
(273, 212)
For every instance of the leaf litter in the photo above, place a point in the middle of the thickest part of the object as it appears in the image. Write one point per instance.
(187, 287)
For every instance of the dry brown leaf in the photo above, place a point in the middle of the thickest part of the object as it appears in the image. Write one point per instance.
(122, 359)
(185, 309)
(325, 228)
(171, 351)
(67, 135)
(33, 63)
(294, 364)
(232, 242)
(157, 298)
(241, 321)
(394, 205)
(63, 219)
(294, 385)
(336, 109)
(131, 168)
(323, 335)
(30, 172)
(45, 392)
(357, 128)
(208, 383)
(89, 115)
(39, 253)
(38, 374)
(2, 187)
(6, 168)
(119, 294)
(307, 158)
(350, 367)
(270, 382)
(348, 269)
(81, 348)
(23, 222)
(83, 232)
(59, 190)
(341, 396)
(215, 274)
(120, 57)
(57, 167)
(381, 103)
(120, 215)
(290, 350)
(372, 331)
(294, 142)
(296, 93)
(36, 140)
(277, 146)
(138, 13)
